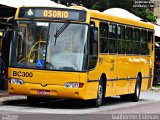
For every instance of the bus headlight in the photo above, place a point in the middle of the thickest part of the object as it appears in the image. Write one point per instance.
(73, 85)
(16, 81)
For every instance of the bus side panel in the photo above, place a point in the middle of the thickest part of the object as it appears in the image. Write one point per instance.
(93, 81)
(91, 87)
(123, 84)
(91, 90)
(144, 63)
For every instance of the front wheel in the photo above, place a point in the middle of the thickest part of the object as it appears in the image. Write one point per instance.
(100, 93)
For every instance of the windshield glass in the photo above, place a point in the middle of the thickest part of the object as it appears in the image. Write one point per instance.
(44, 45)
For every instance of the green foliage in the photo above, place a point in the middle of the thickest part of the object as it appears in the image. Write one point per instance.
(151, 17)
(85, 3)
(102, 5)
(144, 14)
(125, 4)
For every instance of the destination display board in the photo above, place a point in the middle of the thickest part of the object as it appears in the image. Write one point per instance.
(52, 13)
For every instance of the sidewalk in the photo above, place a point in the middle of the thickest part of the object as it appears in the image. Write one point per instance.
(155, 89)
(3, 93)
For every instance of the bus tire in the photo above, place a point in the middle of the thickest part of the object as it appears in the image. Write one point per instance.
(100, 95)
(135, 96)
(32, 100)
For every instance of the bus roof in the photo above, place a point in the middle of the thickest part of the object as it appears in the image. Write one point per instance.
(108, 17)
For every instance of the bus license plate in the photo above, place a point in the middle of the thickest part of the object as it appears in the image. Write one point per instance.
(43, 92)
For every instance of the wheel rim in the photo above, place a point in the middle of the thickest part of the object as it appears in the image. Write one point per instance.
(100, 94)
(138, 87)
(138, 90)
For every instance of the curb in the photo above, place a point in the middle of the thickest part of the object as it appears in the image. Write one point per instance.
(155, 89)
(4, 94)
(11, 97)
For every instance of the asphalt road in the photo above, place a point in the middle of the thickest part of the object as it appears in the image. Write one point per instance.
(16, 108)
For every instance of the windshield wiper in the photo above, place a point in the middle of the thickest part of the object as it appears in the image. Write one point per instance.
(59, 32)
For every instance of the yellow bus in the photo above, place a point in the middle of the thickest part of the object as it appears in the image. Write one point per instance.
(79, 53)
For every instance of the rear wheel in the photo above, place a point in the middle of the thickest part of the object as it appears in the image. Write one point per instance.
(135, 96)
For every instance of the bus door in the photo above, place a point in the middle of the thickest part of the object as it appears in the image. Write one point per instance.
(93, 75)
(107, 62)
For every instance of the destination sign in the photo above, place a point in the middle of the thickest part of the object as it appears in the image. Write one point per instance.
(52, 13)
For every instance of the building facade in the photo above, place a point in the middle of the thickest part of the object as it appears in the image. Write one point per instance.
(157, 10)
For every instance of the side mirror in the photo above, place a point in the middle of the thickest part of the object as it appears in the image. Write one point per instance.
(6, 31)
(10, 20)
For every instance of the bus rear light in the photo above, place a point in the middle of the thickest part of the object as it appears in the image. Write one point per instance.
(16, 81)
(73, 85)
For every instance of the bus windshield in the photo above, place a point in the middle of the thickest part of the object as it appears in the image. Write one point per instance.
(50, 45)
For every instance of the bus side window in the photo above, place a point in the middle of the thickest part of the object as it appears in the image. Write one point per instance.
(136, 41)
(129, 37)
(93, 47)
(150, 42)
(104, 37)
(121, 40)
(144, 46)
(112, 38)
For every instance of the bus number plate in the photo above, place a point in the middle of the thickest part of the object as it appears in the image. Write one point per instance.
(43, 92)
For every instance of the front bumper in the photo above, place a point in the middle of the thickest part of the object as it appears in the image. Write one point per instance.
(55, 91)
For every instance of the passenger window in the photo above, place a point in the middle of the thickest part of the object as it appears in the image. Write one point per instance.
(103, 37)
(136, 41)
(112, 38)
(129, 37)
(150, 42)
(144, 46)
(121, 40)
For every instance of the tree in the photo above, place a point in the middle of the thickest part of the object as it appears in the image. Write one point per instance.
(85, 3)
(102, 5)
(125, 4)
(144, 13)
